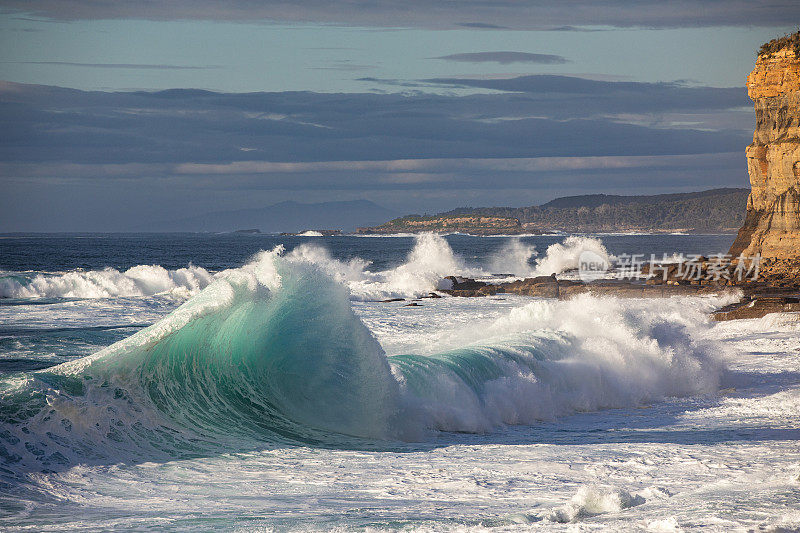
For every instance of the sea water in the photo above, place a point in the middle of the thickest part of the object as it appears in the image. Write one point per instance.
(258, 382)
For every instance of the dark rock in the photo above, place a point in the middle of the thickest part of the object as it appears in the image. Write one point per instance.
(464, 284)
(485, 290)
(540, 286)
(757, 308)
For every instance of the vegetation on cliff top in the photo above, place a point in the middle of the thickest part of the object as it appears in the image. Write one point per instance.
(790, 39)
(714, 210)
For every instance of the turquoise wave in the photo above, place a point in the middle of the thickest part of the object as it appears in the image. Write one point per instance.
(274, 353)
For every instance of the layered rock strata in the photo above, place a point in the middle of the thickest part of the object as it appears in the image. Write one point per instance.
(772, 226)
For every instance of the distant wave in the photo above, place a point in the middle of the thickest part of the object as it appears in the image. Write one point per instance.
(141, 280)
(273, 352)
(427, 263)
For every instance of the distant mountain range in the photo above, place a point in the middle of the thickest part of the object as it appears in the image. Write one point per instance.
(717, 210)
(285, 217)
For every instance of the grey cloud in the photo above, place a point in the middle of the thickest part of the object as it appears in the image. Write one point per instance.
(190, 150)
(505, 58)
(345, 65)
(481, 25)
(132, 66)
(574, 28)
(513, 14)
(555, 116)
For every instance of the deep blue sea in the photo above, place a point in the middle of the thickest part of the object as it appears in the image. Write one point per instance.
(57, 252)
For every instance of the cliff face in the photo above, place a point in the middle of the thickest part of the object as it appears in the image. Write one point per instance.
(772, 226)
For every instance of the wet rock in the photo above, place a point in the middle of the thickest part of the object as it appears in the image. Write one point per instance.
(459, 286)
(757, 307)
(540, 286)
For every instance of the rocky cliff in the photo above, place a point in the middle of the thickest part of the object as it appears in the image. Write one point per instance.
(772, 225)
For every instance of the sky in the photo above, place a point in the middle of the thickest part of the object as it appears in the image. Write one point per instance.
(114, 113)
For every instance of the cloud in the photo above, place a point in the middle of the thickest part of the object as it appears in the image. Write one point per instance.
(345, 65)
(575, 29)
(512, 14)
(481, 26)
(132, 66)
(505, 58)
(181, 151)
(548, 116)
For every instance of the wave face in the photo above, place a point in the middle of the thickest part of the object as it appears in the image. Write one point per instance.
(273, 352)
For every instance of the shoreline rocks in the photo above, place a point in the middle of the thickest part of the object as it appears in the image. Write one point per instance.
(551, 287)
(757, 307)
(759, 298)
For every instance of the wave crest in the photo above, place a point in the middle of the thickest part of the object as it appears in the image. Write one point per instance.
(140, 280)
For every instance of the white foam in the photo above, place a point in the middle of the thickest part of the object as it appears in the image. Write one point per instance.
(429, 261)
(555, 358)
(564, 256)
(513, 258)
(593, 501)
(140, 280)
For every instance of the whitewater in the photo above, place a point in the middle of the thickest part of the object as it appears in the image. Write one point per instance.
(287, 393)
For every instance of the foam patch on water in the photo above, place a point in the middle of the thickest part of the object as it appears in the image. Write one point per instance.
(593, 501)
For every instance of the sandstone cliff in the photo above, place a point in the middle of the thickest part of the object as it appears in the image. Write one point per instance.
(772, 225)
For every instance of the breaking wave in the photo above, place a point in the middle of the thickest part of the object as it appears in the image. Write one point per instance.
(141, 280)
(520, 259)
(273, 352)
(564, 256)
(427, 263)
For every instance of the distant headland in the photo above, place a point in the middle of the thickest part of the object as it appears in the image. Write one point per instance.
(712, 211)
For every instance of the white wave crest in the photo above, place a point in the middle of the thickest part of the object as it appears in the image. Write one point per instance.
(428, 262)
(555, 358)
(140, 280)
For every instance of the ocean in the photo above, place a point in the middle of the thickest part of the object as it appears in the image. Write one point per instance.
(247, 382)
